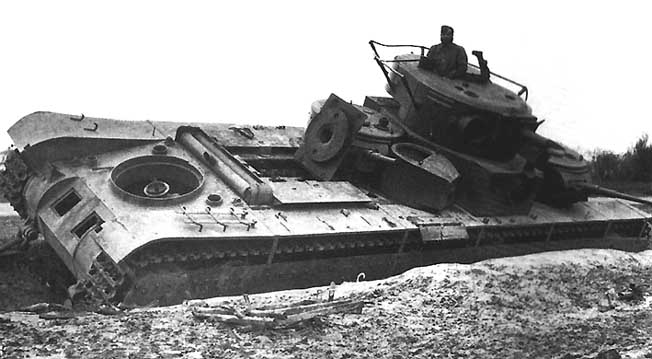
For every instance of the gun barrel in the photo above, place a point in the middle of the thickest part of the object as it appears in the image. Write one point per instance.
(595, 189)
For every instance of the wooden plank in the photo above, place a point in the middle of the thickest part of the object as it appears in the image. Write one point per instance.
(278, 316)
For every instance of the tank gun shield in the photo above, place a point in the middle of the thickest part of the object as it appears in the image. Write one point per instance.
(328, 137)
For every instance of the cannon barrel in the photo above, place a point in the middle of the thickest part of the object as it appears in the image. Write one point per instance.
(606, 192)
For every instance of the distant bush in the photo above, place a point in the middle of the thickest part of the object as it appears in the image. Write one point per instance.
(606, 165)
(641, 160)
(634, 165)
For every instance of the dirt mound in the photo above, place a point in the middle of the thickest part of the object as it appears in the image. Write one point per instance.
(553, 305)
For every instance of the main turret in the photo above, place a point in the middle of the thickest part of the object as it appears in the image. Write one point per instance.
(479, 116)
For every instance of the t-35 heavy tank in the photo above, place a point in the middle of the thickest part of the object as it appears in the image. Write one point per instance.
(143, 212)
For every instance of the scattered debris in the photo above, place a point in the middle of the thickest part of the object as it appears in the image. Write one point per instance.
(331, 292)
(58, 315)
(633, 293)
(106, 309)
(275, 316)
(608, 303)
(608, 354)
(43, 308)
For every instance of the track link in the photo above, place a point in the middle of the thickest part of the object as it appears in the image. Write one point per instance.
(12, 181)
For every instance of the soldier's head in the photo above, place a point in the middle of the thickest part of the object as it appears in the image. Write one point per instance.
(446, 34)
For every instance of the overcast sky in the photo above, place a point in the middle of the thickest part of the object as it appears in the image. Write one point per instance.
(265, 62)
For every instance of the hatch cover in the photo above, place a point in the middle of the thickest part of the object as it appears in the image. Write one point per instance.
(316, 192)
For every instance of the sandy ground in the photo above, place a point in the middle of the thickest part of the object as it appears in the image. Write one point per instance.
(548, 305)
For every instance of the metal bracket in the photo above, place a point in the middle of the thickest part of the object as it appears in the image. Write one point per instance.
(608, 229)
(443, 231)
(552, 229)
(78, 119)
(201, 226)
(647, 226)
(326, 223)
(480, 237)
(92, 129)
(270, 257)
(208, 210)
(207, 217)
(403, 241)
(243, 131)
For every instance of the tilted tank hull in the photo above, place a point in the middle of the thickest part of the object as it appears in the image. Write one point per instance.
(144, 212)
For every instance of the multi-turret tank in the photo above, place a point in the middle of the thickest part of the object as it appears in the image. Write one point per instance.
(443, 170)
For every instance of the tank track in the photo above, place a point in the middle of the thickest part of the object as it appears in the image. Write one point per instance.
(159, 263)
(105, 281)
(12, 182)
(162, 273)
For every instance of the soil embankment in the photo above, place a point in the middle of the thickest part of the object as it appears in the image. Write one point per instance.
(547, 305)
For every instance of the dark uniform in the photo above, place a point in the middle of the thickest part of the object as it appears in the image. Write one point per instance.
(449, 60)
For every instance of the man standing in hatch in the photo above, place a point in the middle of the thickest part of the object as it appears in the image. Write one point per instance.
(447, 59)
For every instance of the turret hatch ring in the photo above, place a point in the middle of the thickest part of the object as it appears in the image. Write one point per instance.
(156, 179)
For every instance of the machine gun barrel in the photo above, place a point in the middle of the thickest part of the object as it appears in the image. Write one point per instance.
(606, 192)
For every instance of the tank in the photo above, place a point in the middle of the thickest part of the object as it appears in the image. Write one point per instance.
(151, 212)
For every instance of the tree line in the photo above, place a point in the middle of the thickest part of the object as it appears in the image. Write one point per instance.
(635, 165)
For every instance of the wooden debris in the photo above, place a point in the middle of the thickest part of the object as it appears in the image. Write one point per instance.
(633, 293)
(276, 316)
(331, 291)
(109, 310)
(43, 307)
(58, 315)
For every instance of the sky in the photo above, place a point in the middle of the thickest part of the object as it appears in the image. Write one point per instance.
(265, 62)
